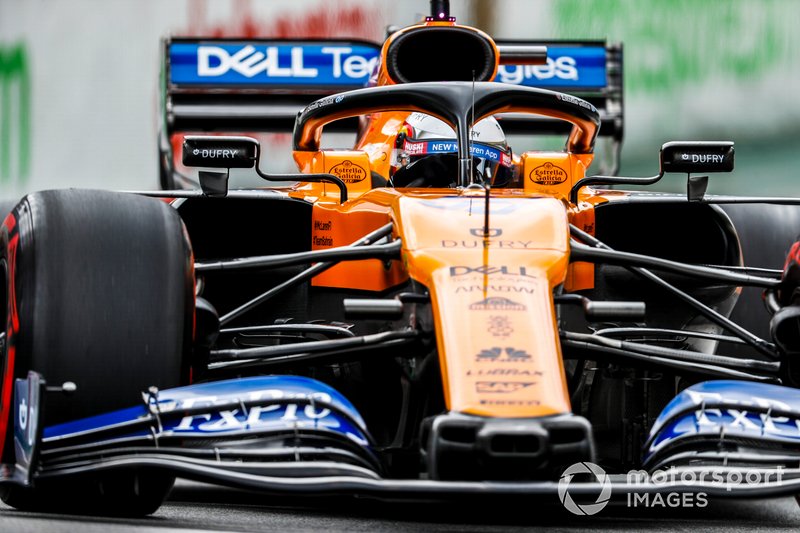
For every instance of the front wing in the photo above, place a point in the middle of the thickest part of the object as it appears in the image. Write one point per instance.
(308, 439)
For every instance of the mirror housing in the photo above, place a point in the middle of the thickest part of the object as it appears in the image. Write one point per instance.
(220, 152)
(689, 157)
(696, 156)
(227, 152)
(213, 151)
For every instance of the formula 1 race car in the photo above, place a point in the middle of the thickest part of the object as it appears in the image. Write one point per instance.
(425, 314)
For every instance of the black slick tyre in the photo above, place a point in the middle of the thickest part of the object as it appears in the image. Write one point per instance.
(99, 292)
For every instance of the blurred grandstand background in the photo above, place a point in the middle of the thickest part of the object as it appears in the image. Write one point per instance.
(79, 79)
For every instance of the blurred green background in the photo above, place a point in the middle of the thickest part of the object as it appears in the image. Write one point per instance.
(78, 80)
(694, 69)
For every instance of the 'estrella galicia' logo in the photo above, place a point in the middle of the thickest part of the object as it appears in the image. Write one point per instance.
(548, 174)
(349, 172)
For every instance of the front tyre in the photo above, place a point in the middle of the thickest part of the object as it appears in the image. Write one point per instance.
(99, 291)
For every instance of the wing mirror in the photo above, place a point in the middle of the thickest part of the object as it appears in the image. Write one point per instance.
(218, 152)
(698, 156)
(676, 156)
(227, 152)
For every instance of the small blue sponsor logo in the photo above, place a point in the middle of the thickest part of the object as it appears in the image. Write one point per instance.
(482, 151)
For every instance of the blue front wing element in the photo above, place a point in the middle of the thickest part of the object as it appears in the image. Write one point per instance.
(728, 409)
(235, 407)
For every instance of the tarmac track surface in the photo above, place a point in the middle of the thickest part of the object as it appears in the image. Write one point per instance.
(196, 507)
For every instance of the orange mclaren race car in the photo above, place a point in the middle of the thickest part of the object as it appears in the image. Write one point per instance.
(429, 313)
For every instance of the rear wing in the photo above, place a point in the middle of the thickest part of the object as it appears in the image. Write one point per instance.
(259, 85)
(591, 70)
(255, 85)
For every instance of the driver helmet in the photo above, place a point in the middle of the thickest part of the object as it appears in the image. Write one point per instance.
(426, 153)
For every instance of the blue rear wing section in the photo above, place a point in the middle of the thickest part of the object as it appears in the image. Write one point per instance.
(569, 68)
(260, 85)
(273, 65)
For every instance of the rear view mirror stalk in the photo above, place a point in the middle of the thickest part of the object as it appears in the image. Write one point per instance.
(227, 152)
(676, 156)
